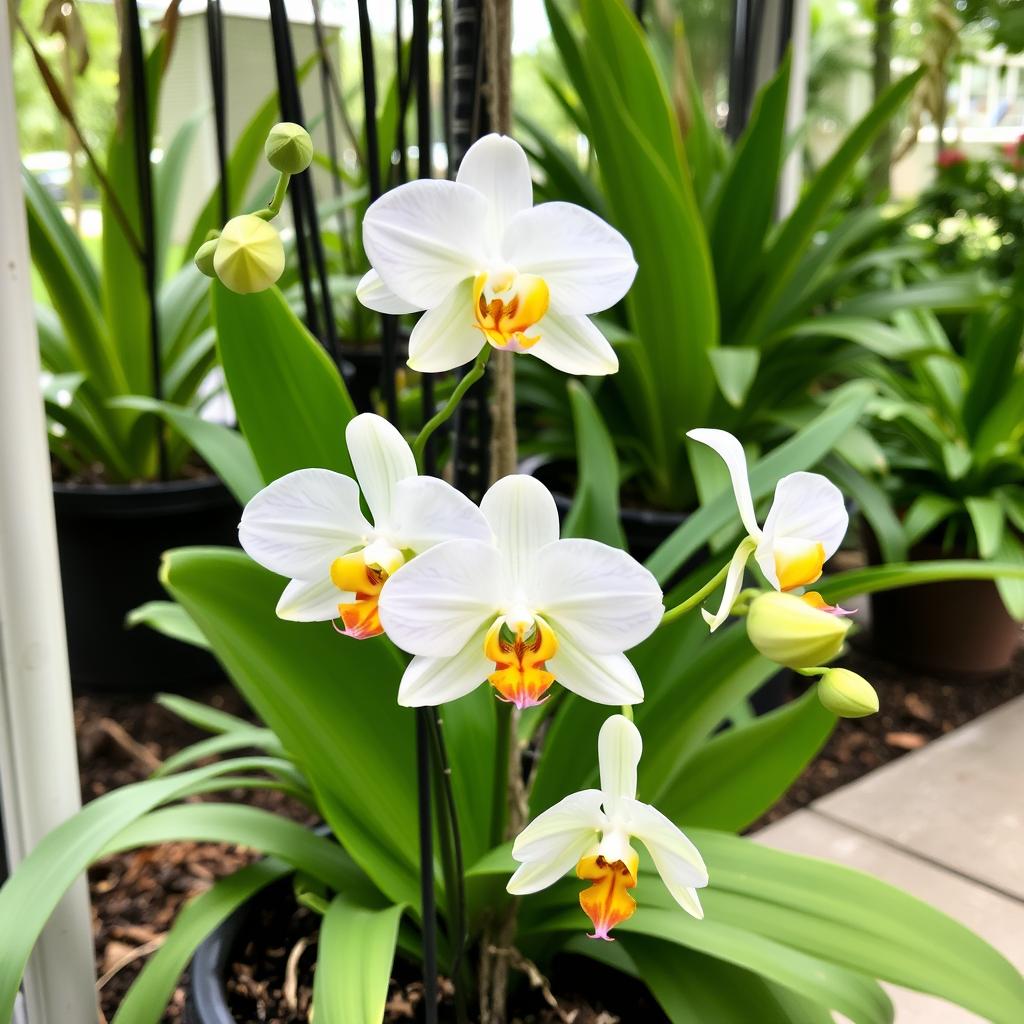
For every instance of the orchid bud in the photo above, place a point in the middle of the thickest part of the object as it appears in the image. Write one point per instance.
(204, 257)
(847, 694)
(289, 148)
(249, 256)
(788, 630)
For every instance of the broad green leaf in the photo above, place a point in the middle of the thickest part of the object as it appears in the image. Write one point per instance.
(291, 402)
(167, 618)
(799, 452)
(41, 879)
(988, 519)
(735, 368)
(202, 716)
(773, 749)
(168, 178)
(693, 988)
(992, 361)
(329, 698)
(745, 203)
(356, 951)
(595, 508)
(227, 742)
(874, 506)
(147, 999)
(925, 513)
(866, 331)
(1011, 552)
(226, 451)
(956, 292)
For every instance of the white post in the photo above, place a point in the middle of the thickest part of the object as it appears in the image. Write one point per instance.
(792, 175)
(38, 766)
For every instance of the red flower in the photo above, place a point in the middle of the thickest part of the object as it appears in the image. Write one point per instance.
(951, 158)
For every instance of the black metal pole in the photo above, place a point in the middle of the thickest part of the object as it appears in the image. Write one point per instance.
(215, 49)
(147, 218)
(738, 69)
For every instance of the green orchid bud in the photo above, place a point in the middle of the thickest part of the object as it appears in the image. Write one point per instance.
(793, 632)
(204, 257)
(847, 694)
(249, 256)
(289, 148)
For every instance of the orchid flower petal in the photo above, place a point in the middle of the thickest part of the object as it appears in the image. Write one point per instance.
(677, 860)
(496, 166)
(316, 601)
(807, 507)
(427, 511)
(381, 458)
(587, 264)
(373, 293)
(297, 525)
(429, 682)
(446, 336)
(600, 595)
(731, 452)
(552, 844)
(601, 678)
(733, 586)
(524, 518)
(574, 345)
(424, 237)
(619, 746)
(436, 603)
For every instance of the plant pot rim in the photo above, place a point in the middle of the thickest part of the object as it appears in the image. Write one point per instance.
(187, 485)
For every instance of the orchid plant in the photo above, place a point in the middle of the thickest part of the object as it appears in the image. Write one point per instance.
(518, 670)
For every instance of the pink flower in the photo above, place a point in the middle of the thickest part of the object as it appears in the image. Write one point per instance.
(951, 158)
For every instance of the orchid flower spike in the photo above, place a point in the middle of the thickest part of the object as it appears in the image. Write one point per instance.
(804, 528)
(522, 611)
(592, 830)
(308, 526)
(489, 267)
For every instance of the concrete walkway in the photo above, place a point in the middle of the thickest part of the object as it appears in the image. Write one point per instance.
(945, 823)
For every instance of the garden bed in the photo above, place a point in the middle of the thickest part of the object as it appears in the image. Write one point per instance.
(137, 895)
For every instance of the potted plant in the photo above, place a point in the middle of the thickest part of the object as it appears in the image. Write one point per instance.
(127, 480)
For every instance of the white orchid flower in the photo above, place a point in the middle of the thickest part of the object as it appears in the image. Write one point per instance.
(488, 266)
(805, 526)
(308, 526)
(521, 612)
(592, 830)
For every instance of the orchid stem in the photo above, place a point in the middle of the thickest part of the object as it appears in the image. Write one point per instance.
(627, 711)
(271, 211)
(451, 405)
(695, 599)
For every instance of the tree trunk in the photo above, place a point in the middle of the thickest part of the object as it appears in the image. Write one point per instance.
(881, 77)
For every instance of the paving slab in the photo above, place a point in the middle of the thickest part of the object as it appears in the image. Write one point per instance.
(999, 919)
(958, 802)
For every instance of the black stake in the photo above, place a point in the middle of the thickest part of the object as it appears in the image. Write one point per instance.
(426, 865)
(215, 47)
(147, 220)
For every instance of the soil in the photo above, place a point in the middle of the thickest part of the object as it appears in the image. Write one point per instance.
(137, 895)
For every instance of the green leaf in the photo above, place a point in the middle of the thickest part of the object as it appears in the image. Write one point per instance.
(799, 452)
(773, 750)
(291, 402)
(992, 362)
(735, 368)
(202, 716)
(956, 292)
(745, 203)
(865, 331)
(224, 449)
(925, 513)
(168, 177)
(147, 999)
(227, 742)
(167, 618)
(595, 509)
(30, 894)
(988, 519)
(842, 585)
(693, 988)
(356, 951)
(875, 507)
(1011, 552)
(329, 698)
(783, 254)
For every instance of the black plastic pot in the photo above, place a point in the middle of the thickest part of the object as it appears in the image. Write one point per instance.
(111, 539)
(207, 1001)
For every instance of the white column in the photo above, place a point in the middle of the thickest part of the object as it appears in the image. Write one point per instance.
(38, 766)
(791, 179)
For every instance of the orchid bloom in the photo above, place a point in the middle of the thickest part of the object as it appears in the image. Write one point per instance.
(489, 267)
(592, 830)
(308, 526)
(521, 612)
(805, 525)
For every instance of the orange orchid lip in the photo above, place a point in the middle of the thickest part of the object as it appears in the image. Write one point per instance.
(361, 617)
(607, 902)
(521, 676)
(505, 321)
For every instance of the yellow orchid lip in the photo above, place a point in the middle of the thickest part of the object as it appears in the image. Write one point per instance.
(798, 563)
(506, 305)
(519, 654)
(352, 574)
(607, 902)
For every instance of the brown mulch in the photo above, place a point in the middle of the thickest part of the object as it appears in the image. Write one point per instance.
(137, 895)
